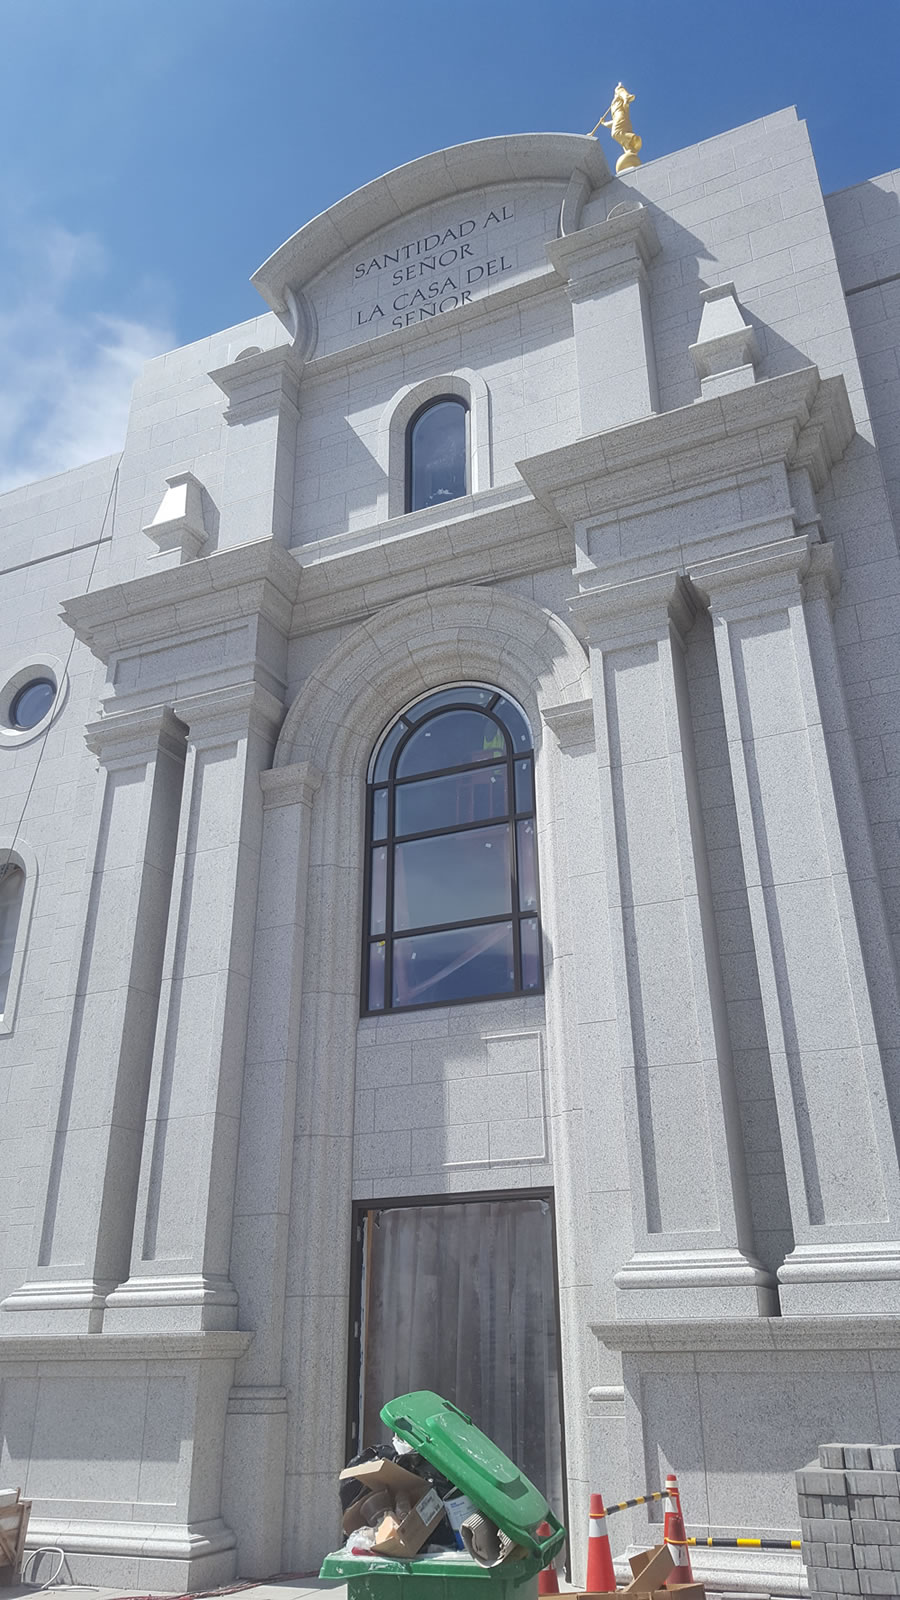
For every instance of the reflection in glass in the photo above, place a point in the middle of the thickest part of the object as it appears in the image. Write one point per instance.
(32, 703)
(524, 786)
(455, 877)
(379, 889)
(452, 852)
(376, 976)
(458, 964)
(468, 695)
(382, 766)
(531, 953)
(447, 802)
(453, 739)
(380, 814)
(515, 722)
(12, 885)
(527, 866)
(437, 455)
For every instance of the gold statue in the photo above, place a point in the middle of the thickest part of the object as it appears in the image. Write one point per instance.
(619, 125)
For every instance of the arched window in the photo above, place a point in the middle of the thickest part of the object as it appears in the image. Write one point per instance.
(12, 889)
(452, 883)
(437, 453)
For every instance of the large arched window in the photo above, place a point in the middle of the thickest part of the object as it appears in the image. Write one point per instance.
(437, 453)
(452, 884)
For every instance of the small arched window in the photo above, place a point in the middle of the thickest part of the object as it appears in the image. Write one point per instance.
(12, 889)
(437, 453)
(452, 891)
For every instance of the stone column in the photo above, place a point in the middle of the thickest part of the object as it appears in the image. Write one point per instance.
(255, 1456)
(826, 967)
(84, 1239)
(182, 1245)
(605, 268)
(692, 1231)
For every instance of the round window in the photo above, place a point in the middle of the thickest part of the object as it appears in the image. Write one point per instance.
(32, 703)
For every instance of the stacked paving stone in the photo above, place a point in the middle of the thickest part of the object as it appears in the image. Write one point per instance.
(850, 1520)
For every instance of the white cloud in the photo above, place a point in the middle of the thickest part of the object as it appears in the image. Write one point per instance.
(65, 373)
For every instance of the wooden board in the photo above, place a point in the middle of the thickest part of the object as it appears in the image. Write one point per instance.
(13, 1528)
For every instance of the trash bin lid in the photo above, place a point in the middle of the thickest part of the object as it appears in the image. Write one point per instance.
(449, 1439)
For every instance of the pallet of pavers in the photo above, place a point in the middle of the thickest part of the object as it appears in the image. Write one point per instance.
(650, 1569)
(14, 1514)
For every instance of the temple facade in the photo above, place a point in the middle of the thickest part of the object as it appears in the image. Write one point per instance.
(450, 887)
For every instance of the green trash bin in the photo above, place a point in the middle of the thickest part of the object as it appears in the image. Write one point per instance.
(449, 1439)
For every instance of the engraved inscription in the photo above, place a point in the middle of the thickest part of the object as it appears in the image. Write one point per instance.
(421, 278)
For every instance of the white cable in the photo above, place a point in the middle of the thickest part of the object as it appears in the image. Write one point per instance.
(44, 1550)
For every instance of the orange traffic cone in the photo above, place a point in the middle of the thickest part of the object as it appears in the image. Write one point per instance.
(548, 1583)
(601, 1576)
(675, 1536)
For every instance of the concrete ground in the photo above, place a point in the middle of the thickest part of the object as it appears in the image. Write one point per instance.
(284, 1589)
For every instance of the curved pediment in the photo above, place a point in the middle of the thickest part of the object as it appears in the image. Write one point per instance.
(361, 242)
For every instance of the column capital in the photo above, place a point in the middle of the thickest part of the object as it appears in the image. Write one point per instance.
(601, 257)
(634, 612)
(754, 582)
(289, 786)
(229, 712)
(118, 737)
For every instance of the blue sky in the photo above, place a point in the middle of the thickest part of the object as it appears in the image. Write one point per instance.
(156, 151)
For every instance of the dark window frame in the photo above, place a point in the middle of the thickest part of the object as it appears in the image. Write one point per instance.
(415, 419)
(513, 817)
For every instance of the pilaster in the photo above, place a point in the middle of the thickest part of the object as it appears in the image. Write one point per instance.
(258, 488)
(179, 1276)
(83, 1241)
(257, 1413)
(826, 968)
(691, 1224)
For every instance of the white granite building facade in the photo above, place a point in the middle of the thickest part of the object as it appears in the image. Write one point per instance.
(674, 549)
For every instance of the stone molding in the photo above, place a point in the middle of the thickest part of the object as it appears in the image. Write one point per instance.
(572, 722)
(253, 579)
(172, 1541)
(721, 1335)
(290, 786)
(262, 385)
(424, 182)
(257, 1400)
(797, 420)
(231, 711)
(498, 533)
(634, 612)
(119, 737)
(181, 1289)
(600, 257)
(752, 581)
(692, 1269)
(214, 1345)
(466, 384)
(409, 649)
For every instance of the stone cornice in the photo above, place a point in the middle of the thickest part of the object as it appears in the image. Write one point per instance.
(513, 158)
(616, 251)
(213, 1346)
(259, 578)
(798, 419)
(121, 736)
(634, 612)
(758, 1333)
(501, 533)
(261, 385)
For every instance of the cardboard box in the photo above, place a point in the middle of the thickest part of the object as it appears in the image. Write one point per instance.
(396, 1537)
(649, 1570)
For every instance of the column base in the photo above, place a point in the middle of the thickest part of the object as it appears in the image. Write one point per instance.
(822, 1280)
(183, 1303)
(695, 1284)
(146, 1555)
(65, 1305)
